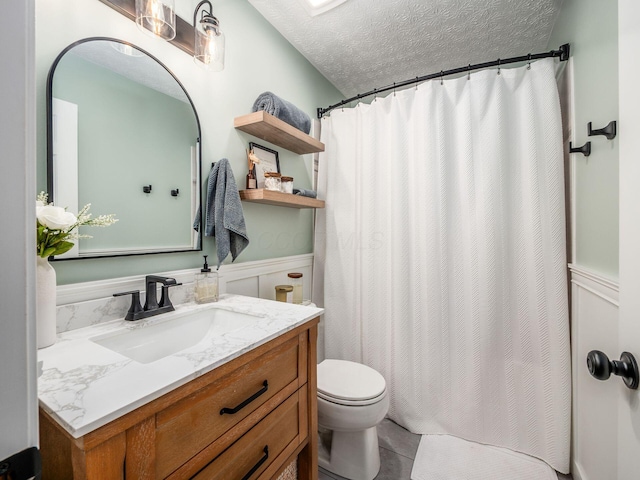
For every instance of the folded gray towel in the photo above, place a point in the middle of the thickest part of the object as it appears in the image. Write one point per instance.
(224, 217)
(285, 111)
(305, 193)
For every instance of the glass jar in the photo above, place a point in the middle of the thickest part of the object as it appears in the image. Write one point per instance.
(251, 181)
(287, 184)
(296, 282)
(272, 181)
(283, 293)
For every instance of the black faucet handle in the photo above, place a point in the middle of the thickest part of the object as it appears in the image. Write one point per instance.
(165, 301)
(160, 279)
(135, 309)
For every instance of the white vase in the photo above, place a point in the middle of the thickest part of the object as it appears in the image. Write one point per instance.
(45, 303)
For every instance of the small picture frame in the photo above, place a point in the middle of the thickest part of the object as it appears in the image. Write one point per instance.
(268, 162)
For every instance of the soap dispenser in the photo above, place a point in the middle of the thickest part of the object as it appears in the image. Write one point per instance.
(206, 284)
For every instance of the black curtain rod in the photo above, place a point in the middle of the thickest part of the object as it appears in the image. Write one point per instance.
(562, 53)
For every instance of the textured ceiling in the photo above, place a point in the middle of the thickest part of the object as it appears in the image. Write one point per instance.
(365, 44)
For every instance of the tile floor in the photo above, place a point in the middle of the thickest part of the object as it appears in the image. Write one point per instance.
(398, 449)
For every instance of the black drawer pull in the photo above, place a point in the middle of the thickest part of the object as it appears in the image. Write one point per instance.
(265, 387)
(260, 462)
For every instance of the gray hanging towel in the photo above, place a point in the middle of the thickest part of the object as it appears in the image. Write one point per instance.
(285, 111)
(224, 216)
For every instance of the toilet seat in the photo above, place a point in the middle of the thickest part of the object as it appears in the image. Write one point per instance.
(349, 383)
(352, 403)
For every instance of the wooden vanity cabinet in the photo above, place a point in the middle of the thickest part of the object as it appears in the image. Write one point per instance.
(253, 415)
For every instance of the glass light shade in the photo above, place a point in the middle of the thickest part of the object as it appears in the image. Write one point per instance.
(209, 49)
(126, 49)
(157, 17)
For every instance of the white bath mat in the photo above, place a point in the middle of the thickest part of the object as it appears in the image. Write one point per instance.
(443, 457)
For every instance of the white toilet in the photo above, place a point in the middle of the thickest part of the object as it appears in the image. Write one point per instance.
(352, 400)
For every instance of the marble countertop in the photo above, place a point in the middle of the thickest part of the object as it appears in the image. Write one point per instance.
(85, 385)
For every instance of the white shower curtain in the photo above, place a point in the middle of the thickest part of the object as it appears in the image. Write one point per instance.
(440, 256)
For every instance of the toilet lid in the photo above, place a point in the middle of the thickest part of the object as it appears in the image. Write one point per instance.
(344, 380)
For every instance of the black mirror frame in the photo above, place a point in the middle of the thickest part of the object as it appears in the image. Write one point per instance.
(49, 102)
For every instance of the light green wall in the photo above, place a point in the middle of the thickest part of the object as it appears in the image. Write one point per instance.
(120, 120)
(591, 27)
(258, 59)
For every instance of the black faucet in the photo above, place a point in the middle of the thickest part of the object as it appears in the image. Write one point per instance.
(151, 306)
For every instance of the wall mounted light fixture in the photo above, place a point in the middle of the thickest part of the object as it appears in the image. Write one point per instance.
(204, 39)
(157, 17)
(209, 39)
(184, 31)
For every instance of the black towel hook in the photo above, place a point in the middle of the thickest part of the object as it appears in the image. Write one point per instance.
(609, 131)
(584, 149)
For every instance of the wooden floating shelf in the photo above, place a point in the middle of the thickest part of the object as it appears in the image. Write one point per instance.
(270, 197)
(267, 127)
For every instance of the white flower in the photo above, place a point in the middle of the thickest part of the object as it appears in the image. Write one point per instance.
(54, 218)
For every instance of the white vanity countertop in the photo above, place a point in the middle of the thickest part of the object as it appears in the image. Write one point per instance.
(85, 385)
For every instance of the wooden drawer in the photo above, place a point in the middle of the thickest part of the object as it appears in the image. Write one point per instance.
(253, 454)
(193, 423)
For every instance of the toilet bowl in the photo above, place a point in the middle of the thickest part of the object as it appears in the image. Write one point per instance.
(352, 400)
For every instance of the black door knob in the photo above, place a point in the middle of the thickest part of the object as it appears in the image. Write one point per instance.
(601, 367)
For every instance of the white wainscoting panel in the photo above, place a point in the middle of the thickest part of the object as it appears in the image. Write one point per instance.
(594, 326)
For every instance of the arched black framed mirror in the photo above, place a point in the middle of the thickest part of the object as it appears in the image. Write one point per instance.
(123, 135)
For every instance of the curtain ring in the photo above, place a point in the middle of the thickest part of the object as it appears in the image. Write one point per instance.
(394, 89)
(529, 63)
(441, 77)
(469, 72)
(498, 66)
(416, 83)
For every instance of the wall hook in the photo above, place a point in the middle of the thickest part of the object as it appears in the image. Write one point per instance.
(584, 149)
(146, 188)
(175, 193)
(609, 131)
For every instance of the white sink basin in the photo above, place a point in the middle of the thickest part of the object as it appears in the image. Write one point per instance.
(153, 342)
